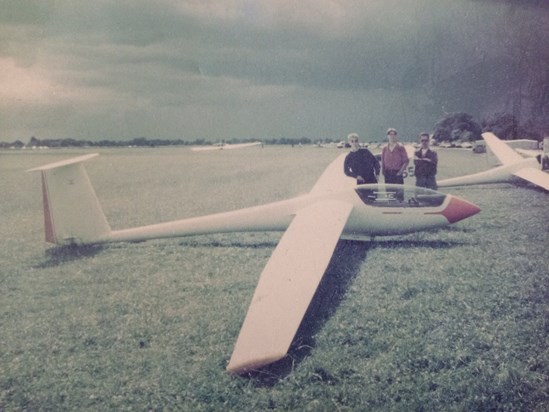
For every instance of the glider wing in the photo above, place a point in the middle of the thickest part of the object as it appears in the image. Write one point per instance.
(501, 150)
(529, 152)
(333, 179)
(287, 285)
(535, 176)
(224, 147)
(410, 151)
(508, 155)
(513, 164)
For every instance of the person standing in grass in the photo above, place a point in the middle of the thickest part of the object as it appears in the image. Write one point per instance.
(360, 163)
(394, 159)
(425, 161)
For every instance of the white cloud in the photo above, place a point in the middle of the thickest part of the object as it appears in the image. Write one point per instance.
(27, 85)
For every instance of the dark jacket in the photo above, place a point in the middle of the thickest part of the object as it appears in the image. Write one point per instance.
(423, 168)
(362, 163)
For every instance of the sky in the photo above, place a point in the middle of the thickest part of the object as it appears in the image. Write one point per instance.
(226, 69)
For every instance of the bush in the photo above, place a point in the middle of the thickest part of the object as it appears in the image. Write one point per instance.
(457, 126)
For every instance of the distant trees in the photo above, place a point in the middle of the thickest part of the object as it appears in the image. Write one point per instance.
(457, 127)
(495, 61)
(507, 127)
(527, 43)
(461, 127)
(71, 142)
(503, 125)
(145, 142)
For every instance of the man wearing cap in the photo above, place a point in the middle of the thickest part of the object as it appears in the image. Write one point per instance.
(394, 159)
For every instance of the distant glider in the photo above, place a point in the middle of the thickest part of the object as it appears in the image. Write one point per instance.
(224, 146)
(513, 166)
(335, 208)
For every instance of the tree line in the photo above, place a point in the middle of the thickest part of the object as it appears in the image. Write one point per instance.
(453, 127)
(145, 142)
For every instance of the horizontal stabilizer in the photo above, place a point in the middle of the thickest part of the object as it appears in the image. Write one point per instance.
(64, 162)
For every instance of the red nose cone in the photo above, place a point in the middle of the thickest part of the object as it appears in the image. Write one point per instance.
(459, 209)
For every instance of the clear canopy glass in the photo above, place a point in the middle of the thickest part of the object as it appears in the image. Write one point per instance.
(382, 195)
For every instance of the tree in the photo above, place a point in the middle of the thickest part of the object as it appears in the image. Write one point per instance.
(506, 127)
(457, 126)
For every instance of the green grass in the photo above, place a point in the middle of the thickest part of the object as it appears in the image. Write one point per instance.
(452, 319)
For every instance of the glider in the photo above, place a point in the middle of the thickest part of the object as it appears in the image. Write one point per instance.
(513, 166)
(224, 146)
(313, 223)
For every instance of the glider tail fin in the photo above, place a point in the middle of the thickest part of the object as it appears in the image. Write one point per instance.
(72, 212)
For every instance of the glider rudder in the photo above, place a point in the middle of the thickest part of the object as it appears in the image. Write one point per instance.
(72, 212)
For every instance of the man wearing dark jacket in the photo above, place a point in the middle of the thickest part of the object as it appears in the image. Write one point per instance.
(425, 162)
(360, 163)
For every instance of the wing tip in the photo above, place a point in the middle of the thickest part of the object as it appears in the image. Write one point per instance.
(63, 162)
(246, 364)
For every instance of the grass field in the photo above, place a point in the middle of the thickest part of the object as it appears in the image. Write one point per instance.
(454, 319)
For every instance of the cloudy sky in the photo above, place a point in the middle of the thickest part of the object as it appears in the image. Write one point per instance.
(119, 69)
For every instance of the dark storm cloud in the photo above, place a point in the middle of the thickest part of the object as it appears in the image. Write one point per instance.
(234, 68)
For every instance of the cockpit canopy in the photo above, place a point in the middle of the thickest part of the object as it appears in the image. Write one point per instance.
(382, 195)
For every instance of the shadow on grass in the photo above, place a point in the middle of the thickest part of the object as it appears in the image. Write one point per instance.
(251, 240)
(62, 254)
(416, 244)
(342, 269)
(225, 244)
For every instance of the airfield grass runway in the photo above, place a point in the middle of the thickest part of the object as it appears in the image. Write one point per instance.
(450, 319)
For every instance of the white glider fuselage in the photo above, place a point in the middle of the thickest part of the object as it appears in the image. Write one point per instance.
(385, 215)
(313, 224)
(364, 220)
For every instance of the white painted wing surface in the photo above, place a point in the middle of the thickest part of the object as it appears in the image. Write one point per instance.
(410, 151)
(503, 152)
(333, 179)
(535, 176)
(224, 147)
(529, 152)
(287, 285)
(64, 162)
